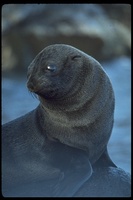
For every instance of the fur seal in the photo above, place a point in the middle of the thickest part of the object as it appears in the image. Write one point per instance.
(54, 147)
(76, 98)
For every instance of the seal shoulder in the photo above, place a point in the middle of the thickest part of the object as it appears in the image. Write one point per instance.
(107, 182)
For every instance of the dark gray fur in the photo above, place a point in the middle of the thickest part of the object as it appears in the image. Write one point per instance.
(51, 151)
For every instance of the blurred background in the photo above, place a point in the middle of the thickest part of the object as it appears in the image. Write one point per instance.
(101, 30)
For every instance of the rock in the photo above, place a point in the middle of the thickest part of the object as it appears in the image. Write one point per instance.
(28, 28)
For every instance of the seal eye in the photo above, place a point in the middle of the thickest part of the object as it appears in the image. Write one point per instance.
(75, 57)
(51, 68)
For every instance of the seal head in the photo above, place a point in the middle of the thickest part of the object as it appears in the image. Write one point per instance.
(52, 75)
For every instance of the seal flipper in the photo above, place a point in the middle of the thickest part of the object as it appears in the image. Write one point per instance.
(104, 160)
(75, 176)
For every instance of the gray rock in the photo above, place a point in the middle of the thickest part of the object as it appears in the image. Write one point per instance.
(28, 28)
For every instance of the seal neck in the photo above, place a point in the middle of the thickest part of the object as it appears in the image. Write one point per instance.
(83, 107)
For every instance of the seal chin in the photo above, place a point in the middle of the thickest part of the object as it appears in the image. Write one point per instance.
(49, 94)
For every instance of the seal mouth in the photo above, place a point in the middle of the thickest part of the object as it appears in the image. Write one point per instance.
(41, 90)
(46, 94)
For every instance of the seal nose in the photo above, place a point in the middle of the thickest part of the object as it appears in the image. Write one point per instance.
(30, 84)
